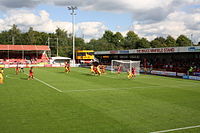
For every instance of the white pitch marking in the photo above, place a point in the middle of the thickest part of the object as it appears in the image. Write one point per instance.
(11, 77)
(176, 129)
(114, 77)
(107, 89)
(47, 84)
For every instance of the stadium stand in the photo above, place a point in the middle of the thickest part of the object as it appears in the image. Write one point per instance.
(172, 59)
(23, 54)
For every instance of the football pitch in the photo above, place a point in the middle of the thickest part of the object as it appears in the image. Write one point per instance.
(78, 102)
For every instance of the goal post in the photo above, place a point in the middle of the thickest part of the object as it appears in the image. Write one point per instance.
(126, 65)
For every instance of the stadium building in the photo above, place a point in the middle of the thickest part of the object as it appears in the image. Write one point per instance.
(23, 54)
(173, 61)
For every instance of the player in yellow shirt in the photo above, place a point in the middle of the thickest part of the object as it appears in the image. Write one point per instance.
(95, 68)
(67, 67)
(92, 69)
(1, 77)
(130, 75)
(2, 70)
(102, 69)
(98, 71)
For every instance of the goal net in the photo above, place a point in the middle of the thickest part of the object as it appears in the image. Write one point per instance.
(126, 65)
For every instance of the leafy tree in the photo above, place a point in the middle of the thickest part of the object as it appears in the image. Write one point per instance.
(14, 30)
(62, 35)
(162, 41)
(118, 40)
(5, 37)
(130, 40)
(109, 40)
(108, 36)
(142, 43)
(158, 42)
(170, 41)
(155, 43)
(101, 45)
(79, 43)
(15, 34)
(31, 36)
(182, 40)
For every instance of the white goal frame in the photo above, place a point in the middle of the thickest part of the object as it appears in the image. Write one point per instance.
(127, 65)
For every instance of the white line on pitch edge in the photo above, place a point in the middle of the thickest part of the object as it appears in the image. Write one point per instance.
(176, 129)
(47, 84)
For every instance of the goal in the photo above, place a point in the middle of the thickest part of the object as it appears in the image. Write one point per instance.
(126, 65)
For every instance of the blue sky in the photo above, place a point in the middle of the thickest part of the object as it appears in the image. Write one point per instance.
(111, 20)
(148, 18)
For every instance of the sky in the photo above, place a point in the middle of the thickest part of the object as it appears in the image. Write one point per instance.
(147, 18)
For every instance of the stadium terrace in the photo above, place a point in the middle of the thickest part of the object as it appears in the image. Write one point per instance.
(13, 54)
(175, 61)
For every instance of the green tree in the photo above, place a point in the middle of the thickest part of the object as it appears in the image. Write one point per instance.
(158, 42)
(142, 43)
(64, 43)
(79, 44)
(130, 40)
(31, 36)
(101, 45)
(108, 36)
(63, 36)
(118, 40)
(5, 37)
(170, 41)
(107, 40)
(182, 40)
(155, 43)
(15, 35)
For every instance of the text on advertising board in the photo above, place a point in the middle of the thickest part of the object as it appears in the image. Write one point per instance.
(156, 50)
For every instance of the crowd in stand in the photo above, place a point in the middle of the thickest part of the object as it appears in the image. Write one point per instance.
(172, 64)
(28, 59)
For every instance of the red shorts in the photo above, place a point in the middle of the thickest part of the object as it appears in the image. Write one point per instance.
(133, 72)
(30, 74)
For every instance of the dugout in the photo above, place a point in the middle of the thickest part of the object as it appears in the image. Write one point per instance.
(175, 59)
(58, 60)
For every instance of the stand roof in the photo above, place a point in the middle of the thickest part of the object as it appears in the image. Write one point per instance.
(25, 47)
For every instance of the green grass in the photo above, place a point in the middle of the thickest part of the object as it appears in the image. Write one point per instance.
(97, 104)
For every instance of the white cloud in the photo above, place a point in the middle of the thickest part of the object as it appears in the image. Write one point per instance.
(142, 10)
(41, 22)
(92, 29)
(175, 24)
(151, 18)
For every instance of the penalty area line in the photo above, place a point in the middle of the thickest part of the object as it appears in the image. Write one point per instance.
(176, 129)
(48, 84)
